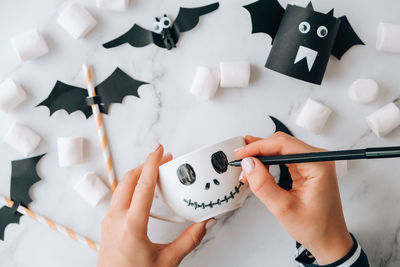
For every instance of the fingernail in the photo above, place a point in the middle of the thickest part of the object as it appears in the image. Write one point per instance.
(210, 224)
(155, 146)
(238, 149)
(247, 165)
(241, 175)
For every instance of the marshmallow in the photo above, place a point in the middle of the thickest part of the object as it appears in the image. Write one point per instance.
(388, 37)
(11, 95)
(363, 91)
(205, 83)
(76, 20)
(91, 188)
(384, 120)
(114, 5)
(235, 73)
(313, 116)
(70, 151)
(29, 45)
(22, 139)
(341, 167)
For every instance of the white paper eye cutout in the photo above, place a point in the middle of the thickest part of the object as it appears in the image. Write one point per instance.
(165, 22)
(304, 27)
(322, 31)
(157, 27)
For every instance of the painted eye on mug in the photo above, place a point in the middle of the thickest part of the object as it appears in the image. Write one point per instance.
(186, 174)
(219, 162)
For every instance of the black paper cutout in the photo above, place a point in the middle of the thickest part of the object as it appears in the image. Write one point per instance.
(168, 36)
(8, 216)
(345, 39)
(23, 176)
(285, 179)
(266, 9)
(111, 90)
(303, 39)
(68, 98)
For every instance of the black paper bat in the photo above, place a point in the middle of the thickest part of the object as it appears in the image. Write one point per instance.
(111, 90)
(285, 179)
(165, 34)
(286, 182)
(302, 39)
(23, 176)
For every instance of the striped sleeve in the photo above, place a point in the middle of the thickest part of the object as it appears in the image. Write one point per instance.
(354, 258)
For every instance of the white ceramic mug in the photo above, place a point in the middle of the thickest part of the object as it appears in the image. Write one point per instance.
(200, 185)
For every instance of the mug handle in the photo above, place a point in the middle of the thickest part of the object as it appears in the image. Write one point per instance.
(172, 219)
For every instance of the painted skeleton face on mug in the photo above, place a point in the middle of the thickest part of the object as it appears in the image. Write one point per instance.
(186, 174)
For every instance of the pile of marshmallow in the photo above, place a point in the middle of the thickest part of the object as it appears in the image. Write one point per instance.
(76, 20)
(314, 114)
(70, 153)
(231, 74)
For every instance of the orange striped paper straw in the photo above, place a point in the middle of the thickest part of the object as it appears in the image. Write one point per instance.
(100, 129)
(56, 227)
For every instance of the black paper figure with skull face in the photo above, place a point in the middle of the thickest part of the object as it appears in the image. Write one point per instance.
(303, 39)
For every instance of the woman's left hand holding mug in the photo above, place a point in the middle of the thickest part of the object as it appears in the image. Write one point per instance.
(124, 240)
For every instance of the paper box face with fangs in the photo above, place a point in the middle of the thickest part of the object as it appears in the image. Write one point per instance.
(302, 39)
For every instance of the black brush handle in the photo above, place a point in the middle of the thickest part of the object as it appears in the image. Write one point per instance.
(367, 153)
(382, 152)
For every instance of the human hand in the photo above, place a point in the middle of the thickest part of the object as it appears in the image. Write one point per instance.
(311, 212)
(124, 240)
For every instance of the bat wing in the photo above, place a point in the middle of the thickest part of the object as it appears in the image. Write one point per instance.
(345, 39)
(68, 98)
(7, 216)
(285, 179)
(188, 18)
(280, 127)
(23, 176)
(115, 88)
(136, 37)
(266, 16)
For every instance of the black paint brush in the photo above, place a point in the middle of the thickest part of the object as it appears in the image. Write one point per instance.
(367, 153)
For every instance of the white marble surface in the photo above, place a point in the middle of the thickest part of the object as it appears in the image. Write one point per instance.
(169, 113)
